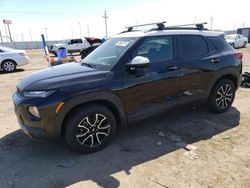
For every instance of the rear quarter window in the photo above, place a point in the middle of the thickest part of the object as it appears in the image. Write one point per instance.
(192, 46)
(219, 43)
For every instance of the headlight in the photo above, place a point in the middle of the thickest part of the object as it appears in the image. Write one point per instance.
(35, 94)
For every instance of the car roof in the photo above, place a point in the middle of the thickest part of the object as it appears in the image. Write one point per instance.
(168, 32)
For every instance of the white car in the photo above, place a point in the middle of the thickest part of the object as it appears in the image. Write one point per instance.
(12, 58)
(72, 45)
(236, 40)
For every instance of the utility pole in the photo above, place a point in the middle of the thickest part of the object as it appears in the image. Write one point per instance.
(136, 21)
(6, 33)
(106, 26)
(72, 32)
(16, 37)
(8, 25)
(30, 35)
(7, 22)
(212, 20)
(1, 37)
(195, 19)
(46, 32)
(22, 36)
(80, 29)
(87, 29)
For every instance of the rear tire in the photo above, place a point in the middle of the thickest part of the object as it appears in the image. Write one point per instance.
(90, 128)
(8, 66)
(222, 96)
(245, 45)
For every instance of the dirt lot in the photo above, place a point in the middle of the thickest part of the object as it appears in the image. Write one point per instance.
(136, 158)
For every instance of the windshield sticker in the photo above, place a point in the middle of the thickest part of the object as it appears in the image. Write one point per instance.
(122, 43)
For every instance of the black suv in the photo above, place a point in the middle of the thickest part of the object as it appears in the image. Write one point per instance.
(133, 75)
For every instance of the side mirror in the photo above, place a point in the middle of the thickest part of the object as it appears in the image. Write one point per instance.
(138, 61)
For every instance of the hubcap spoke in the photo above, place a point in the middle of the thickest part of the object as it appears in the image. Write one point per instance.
(102, 132)
(96, 136)
(93, 130)
(224, 96)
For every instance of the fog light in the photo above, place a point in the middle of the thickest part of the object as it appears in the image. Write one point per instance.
(34, 111)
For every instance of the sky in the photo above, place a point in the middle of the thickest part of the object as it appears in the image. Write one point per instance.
(71, 19)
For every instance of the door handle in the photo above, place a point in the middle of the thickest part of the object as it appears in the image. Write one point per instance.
(172, 68)
(215, 61)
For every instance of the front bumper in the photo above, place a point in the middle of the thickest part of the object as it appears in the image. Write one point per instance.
(23, 61)
(34, 127)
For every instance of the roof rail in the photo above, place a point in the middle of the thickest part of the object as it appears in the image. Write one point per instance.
(198, 26)
(160, 26)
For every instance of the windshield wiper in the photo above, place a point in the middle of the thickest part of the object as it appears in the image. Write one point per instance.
(88, 65)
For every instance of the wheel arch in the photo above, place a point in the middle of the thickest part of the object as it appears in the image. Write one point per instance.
(107, 99)
(231, 74)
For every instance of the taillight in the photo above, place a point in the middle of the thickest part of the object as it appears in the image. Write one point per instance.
(22, 54)
(239, 55)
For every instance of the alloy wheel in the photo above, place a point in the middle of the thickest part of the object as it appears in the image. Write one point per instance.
(224, 96)
(93, 130)
(9, 66)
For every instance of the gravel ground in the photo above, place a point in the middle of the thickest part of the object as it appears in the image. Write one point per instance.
(190, 147)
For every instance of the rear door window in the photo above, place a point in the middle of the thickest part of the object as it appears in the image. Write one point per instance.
(192, 46)
(78, 40)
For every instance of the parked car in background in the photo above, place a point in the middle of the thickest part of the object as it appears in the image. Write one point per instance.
(236, 40)
(12, 58)
(72, 45)
(94, 44)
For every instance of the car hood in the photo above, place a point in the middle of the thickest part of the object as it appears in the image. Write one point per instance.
(60, 76)
(14, 51)
(59, 44)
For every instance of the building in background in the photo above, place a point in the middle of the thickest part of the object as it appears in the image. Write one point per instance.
(245, 32)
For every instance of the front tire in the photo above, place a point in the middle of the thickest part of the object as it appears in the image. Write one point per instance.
(222, 96)
(9, 66)
(90, 128)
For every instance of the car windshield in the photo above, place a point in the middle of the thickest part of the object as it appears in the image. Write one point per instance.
(65, 41)
(230, 37)
(105, 56)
